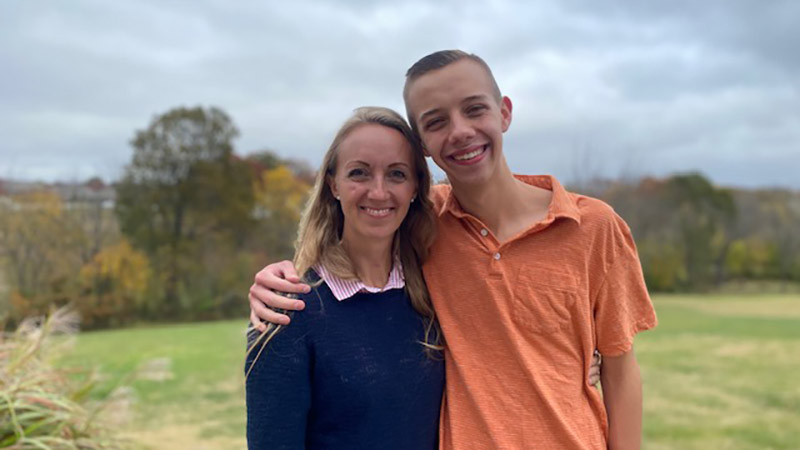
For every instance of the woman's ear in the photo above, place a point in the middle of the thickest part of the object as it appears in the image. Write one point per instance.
(332, 184)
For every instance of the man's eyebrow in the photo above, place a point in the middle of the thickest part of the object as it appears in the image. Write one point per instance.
(427, 114)
(472, 98)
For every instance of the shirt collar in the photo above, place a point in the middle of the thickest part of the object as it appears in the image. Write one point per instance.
(344, 289)
(562, 204)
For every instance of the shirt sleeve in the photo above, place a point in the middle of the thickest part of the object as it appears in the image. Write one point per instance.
(622, 307)
(278, 389)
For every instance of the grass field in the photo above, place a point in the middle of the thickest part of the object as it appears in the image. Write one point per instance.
(720, 372)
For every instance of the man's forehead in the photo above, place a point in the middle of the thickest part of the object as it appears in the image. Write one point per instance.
(463, 79)
(464, 69)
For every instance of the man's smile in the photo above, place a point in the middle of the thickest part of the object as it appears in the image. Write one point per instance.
(470, 155)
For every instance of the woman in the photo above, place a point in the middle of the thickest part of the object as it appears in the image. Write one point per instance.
(358, 368)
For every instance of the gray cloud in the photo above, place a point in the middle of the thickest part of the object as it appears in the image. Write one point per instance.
(643, 87)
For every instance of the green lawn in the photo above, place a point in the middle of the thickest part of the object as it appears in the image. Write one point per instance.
(720, 372)
(202, 405)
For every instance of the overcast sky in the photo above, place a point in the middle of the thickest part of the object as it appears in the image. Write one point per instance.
(614, 88)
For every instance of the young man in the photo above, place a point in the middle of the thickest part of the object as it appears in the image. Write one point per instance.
(526, 278)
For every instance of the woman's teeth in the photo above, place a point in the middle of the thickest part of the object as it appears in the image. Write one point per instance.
(377, 212)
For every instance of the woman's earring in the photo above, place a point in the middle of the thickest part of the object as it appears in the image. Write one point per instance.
(338, 198)
(413, 198)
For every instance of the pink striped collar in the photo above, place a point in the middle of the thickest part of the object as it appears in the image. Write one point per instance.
(344, 289)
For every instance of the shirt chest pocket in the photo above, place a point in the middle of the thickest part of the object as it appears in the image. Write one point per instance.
(543, 303)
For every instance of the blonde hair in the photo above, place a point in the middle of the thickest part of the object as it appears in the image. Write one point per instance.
(320, 230)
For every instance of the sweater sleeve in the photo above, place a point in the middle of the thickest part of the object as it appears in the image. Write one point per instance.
(279, 389)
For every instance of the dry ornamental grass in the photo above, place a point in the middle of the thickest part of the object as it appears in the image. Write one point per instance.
(45, 407)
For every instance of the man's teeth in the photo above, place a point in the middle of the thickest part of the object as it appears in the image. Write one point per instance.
(469, 155)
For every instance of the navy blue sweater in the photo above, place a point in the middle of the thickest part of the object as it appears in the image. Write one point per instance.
(345, 376)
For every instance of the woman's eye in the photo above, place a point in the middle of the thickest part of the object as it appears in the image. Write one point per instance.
(398, 175)
(357, 173)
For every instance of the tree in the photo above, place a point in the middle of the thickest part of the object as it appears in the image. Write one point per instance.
(262, 160)
(781, 212)
(113, 284)
(662, 264)
(183, 184)
(39, 246)
(701, 212)
(280, 197)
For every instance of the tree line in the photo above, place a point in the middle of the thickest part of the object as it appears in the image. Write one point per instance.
(695, 236)
(192, 221)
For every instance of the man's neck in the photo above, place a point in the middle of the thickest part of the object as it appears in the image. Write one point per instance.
(372, 259)
(504, 204)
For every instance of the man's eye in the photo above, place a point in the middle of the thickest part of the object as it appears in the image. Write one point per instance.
(432, 124)
(475, 109)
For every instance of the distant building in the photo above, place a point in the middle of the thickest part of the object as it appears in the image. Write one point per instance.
(74, 195)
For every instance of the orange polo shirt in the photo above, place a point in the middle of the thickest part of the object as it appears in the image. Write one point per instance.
(521, 320)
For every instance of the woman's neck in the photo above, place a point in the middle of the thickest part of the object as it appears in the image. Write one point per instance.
(372, 259)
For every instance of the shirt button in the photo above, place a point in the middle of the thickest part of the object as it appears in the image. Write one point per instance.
(497, 256)
(484, 231)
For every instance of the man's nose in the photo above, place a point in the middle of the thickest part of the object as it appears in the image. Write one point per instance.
(461, 130)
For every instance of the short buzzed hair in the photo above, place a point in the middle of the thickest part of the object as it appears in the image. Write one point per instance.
(438, 60)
